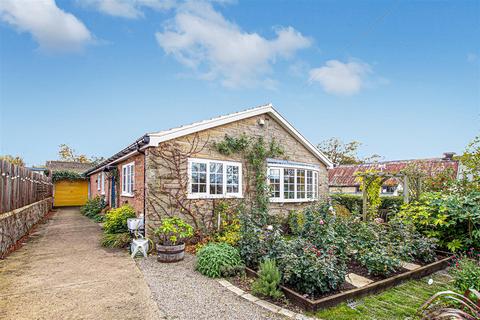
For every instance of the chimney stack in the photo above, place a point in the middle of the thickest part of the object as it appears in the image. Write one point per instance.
(448, 156)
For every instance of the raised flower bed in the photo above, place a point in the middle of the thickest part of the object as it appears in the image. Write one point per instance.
(333, 298)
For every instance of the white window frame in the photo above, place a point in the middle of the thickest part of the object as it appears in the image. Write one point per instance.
(98, 181)
(102, 183)
(128, 179)
(281, 167)
(207, 195)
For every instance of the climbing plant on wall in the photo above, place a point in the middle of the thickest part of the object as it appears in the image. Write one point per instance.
(256, 152)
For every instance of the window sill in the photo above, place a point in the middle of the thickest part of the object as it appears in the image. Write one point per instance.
(292, 200)
(128, 195)
(211, 196)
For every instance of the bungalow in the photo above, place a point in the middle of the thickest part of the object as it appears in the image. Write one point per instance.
(181, 172)
(342, 179)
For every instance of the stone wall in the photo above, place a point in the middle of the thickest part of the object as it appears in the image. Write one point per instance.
(15, 224)
(159, 181)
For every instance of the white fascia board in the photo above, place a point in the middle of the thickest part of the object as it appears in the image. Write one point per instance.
(290, 128)
(115, 161)
(156, 139)
(204, 125)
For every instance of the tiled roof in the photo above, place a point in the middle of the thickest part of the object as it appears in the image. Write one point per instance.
(77, 167)
(344, 175)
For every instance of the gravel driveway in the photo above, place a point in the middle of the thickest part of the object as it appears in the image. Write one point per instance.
(181, 293)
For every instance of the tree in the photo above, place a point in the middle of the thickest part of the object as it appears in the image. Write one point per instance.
(470, 165)
(67, 153)
(16, 160)
(344, 153)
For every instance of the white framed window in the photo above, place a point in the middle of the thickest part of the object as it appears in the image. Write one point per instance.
(214, 179)
(128, 179)
(102, 183)
(292, 183)
(99, 177)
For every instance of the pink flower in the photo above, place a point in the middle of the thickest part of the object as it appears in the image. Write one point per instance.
(321, 222)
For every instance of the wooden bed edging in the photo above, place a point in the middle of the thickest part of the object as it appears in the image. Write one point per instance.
(313, 305)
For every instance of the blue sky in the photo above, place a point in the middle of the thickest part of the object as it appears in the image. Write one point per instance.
(402, 77)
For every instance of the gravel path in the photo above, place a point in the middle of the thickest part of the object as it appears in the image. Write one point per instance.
(181, 293)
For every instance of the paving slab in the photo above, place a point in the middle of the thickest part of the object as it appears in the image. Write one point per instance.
(410, 266)
(357, 280)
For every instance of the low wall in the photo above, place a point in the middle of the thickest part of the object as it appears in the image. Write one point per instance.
(15, 224)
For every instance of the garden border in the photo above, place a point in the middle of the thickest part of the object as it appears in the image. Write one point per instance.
(313, 305)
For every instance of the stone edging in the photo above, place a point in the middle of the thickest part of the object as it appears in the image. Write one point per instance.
(262, 303)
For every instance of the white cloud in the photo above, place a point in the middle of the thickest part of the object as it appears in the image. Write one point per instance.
(202, 39)
(340, 78)
(50, 26)
(130, 9)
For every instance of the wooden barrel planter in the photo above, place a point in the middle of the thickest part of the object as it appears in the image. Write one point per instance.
(170, 253)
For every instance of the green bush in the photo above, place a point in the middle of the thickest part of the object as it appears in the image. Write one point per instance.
(378, 261)
(354, 203)
(466, 274)
(116, 219)
(454, 219)
(173, 231)
(295, 221)
(268, 280)
(409, 244)
(251, 244)
(308, 269)
(93, 207)
(115, 240)
(217, 259)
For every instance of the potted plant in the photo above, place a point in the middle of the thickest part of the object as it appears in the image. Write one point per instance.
(171, 235)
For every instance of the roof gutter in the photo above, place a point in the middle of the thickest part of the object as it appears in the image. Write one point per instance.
(131, 149)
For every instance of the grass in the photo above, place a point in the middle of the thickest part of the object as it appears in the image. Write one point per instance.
(400, 302)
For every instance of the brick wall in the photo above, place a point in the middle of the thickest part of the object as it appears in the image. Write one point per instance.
(294, 151)
(136, 201)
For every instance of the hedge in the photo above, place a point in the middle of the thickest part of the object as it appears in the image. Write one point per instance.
(354, 203)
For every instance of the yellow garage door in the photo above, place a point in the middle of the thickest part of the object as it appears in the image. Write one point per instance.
(70, 193)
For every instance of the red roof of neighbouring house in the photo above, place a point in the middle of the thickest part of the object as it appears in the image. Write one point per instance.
(344, 175)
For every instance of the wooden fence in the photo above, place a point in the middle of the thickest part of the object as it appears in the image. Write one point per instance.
(20, 186)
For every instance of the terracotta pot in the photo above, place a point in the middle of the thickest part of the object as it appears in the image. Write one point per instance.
(170, 253)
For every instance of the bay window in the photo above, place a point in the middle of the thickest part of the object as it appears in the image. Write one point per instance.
(214, 179)
(292, 182)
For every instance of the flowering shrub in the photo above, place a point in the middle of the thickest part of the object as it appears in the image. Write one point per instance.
(309, 269)
(466, 272)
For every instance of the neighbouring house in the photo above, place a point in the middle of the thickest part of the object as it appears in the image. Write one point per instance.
(342, 179)
(70, 186)
(180, 172)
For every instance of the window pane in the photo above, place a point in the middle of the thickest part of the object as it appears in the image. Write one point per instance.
(216, 178)
(315, 185)
(274, 179)
(300, 184)
(310, 184)
(232, 179)
(199, 177)
(289, 183)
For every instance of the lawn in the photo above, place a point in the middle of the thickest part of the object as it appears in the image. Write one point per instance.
(400, 302)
